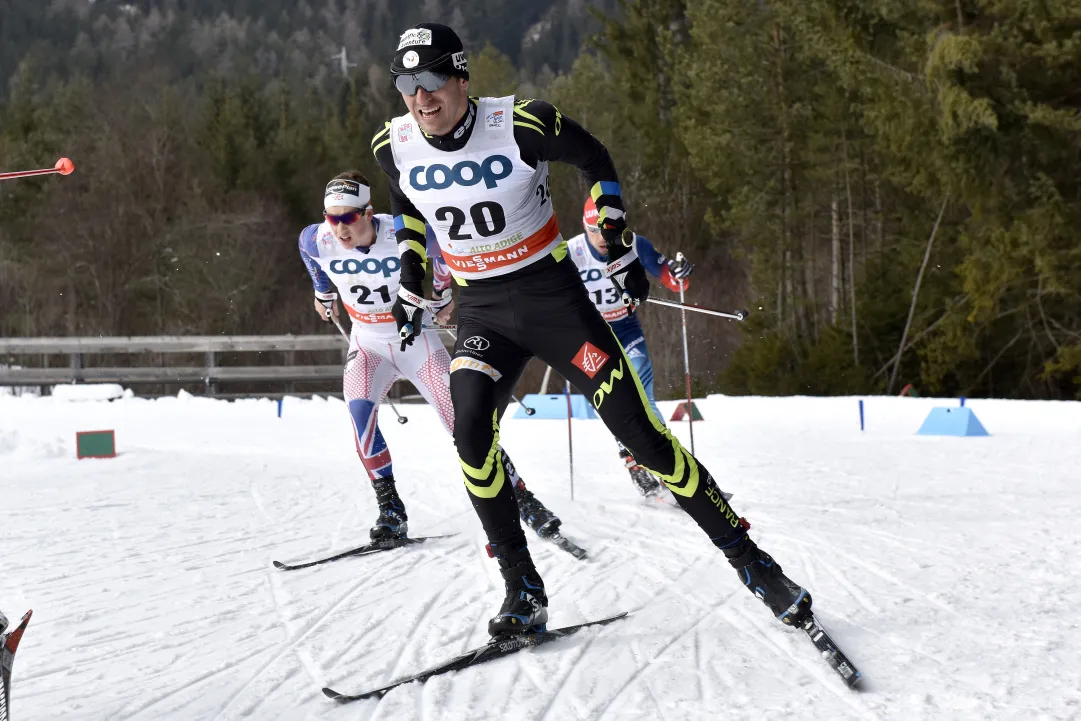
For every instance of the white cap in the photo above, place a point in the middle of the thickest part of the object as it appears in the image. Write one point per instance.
(349, 193)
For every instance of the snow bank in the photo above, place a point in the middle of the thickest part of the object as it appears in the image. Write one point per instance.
(14, 445)
(89, 392)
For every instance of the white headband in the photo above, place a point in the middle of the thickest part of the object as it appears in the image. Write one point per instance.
(349, 193)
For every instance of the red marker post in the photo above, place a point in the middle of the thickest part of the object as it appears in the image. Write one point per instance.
(64, 166)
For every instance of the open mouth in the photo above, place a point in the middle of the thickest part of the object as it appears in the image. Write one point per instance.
(428, 114)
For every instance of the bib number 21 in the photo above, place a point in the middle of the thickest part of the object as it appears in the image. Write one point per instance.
(488, 219)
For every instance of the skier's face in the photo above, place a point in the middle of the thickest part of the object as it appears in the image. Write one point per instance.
(593, 235)
(438, 112)
(359, 234)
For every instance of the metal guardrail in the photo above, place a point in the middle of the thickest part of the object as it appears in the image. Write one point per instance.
(208, 374)
(170, 344)
(158, 375)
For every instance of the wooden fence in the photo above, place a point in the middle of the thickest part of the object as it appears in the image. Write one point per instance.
(15, 352)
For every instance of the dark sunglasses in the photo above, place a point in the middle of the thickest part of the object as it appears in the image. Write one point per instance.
(345, 218)
(410, 84)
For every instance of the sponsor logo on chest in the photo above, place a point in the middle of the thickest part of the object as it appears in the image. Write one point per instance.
(466, 173)
(371, 266)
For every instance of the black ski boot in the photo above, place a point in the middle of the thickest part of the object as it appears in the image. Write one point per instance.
(391, 524)
(788, 601)
(534, 513)
(643, 480)
(525, 608)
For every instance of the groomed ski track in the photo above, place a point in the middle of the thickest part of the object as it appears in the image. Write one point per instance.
(948, 569)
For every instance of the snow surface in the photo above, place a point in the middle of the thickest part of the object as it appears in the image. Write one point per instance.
(89, 391)
(948, 568)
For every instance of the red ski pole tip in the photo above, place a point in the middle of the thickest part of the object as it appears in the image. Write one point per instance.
(64, 166)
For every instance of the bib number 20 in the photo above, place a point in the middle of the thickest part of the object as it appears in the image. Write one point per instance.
(488, 219)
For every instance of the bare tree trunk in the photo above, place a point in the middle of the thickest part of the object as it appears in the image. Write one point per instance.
(786, 170)
(863, 212)
(780, 283)
(788, 288)
(879, 240)
(810, 271)
(915, 295)
(835, 252)
(73, 307)
(851, 254)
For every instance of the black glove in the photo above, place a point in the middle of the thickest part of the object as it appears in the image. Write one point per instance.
(408, 312)
(680, 268)
(624, 268)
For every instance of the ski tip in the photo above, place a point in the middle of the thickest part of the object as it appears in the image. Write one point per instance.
(279, 564)
(11, 641)
(856, 683)
(331, 693)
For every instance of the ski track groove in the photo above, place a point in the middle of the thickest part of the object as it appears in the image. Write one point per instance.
(816, 671)
(656, 702)
(398, 573)
(406, 644)
(822, 543)
(291, 643)
(583, 650)
(186, 686)
(660, 652)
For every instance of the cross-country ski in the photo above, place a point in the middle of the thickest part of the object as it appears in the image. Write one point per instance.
(496, 648)
(365, 550)
(9, 644)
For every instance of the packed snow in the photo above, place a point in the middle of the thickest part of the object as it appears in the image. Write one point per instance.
(949, 569)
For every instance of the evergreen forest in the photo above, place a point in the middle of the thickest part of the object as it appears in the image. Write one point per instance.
(892, 188)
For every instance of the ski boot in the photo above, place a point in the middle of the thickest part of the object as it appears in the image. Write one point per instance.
(534, 514)
(525, 608)
(391, 524)
(643, 480)
(787, 600)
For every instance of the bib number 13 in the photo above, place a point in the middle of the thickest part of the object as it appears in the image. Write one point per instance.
(488, 219)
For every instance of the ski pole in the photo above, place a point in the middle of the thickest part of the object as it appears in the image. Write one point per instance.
(570, 438)
(450, 331)
(736, 315)
(64, 166)
(401, 418)
(686, 358)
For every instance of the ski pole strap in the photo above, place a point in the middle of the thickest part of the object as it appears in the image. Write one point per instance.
(412, 298)
(621, 263)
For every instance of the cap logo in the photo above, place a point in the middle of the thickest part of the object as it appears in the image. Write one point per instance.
(415, 36)
(460, 62)
(411, 59)
(349, 193)
(338, 187)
